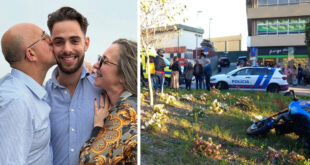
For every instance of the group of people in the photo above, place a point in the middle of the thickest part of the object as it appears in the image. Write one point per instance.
(297, 76)
(199, 70)
(81, 116)
(202, 73)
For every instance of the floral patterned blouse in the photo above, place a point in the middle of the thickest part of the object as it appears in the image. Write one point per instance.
(116, 142)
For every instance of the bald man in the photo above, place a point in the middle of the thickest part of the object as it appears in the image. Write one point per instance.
(24, 113)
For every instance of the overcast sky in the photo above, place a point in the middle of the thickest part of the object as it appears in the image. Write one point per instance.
(108, 21)
(228, 17)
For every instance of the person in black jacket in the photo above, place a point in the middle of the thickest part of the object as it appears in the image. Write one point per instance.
(175, 72)
(188, 73)
(198, 70)
(159, 70)
(208, 73)
(299, 74)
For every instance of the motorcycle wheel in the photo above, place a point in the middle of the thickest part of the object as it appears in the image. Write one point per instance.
(260, 127)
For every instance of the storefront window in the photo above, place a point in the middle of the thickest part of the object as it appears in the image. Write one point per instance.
(281, 26)
(262, 29)
(283, 21)
(262, 3)
(293, 28)
(272, 26)
(302, 27)
(282, 29)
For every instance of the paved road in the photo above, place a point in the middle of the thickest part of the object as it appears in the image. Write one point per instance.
(226, 69)
(300, 90)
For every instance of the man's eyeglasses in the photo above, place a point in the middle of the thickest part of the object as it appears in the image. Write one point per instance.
(103, 59)
(43, 37)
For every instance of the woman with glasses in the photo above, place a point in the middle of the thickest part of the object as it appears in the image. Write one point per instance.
(114, 137)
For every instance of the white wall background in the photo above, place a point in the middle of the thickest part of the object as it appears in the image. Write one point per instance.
(189, 39)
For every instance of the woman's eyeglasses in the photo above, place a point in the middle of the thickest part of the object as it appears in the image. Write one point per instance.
(103, 59)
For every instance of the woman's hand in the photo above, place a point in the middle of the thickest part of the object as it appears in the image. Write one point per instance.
(102, 111)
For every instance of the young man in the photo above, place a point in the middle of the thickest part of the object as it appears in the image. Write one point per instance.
(24, 113)
(159, 70)
(71, 90)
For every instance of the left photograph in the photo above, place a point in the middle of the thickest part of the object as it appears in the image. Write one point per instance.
(68, 82)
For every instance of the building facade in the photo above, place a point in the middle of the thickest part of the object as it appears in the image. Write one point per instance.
(276, 30)
(179, 40)
(227, 43)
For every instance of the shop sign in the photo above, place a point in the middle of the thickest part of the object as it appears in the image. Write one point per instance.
(278, 51)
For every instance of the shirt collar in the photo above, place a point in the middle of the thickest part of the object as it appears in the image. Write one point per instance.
(55, 83)
(124, 96)
(34, 86)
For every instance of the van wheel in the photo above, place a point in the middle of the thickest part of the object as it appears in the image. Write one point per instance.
(222, 85)
(274, 88)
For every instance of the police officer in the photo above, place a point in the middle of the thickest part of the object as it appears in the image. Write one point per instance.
(159, 70)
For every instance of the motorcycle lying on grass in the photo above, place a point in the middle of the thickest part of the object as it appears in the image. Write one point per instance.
(295, 118)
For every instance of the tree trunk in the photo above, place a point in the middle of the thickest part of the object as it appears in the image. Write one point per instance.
(149, 78)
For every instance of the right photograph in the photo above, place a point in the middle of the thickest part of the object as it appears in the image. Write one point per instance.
(224, 82)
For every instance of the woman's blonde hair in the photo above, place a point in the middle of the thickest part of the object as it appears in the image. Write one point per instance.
(127, 63)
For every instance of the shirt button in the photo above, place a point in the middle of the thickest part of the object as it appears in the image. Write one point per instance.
(72, 110)
(72, 129)
(65, 92)
(72, 150)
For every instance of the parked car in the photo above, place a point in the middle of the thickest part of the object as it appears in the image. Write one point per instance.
(252, 78)
(242, 60)
(224, 61)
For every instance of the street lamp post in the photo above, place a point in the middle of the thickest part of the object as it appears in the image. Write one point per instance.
(210, 19)
(197, 35)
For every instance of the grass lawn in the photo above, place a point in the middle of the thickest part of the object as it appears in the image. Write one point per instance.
(172, 136)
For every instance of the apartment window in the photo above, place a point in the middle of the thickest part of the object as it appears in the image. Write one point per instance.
(272, 2)
(283, 2)
(262, 3)
(294, 1)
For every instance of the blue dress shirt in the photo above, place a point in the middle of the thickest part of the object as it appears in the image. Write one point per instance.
(71, 118)
(24, 121)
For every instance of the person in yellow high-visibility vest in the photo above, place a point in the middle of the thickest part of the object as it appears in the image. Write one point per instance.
(144, 68)
(167, 74)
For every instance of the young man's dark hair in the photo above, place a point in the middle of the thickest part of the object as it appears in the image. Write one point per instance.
(67, 13)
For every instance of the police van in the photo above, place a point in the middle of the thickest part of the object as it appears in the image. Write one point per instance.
(252, 78)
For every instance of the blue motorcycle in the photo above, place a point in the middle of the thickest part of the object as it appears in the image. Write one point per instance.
(295, 118)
